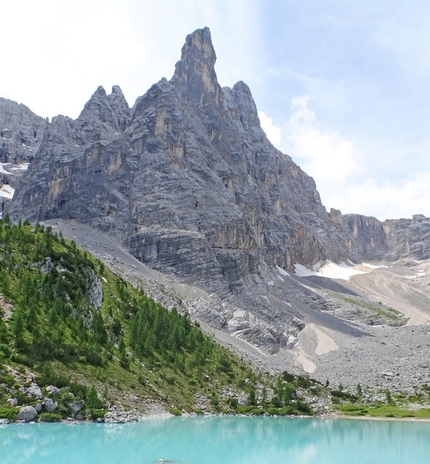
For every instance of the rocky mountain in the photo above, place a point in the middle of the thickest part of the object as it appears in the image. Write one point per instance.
(21, 132)
(188, 183)
(390, 240)
(191, 169)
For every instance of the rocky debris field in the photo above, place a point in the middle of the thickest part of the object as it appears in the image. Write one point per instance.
(350, 353)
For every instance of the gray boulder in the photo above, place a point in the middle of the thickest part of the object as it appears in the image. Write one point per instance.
(75, 407)
(27, 413)
(34, 391)
(53, 390)
(13, 401)
(50, 405)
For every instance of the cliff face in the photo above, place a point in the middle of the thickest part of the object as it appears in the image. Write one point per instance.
(20, 132)
(390, 240)
(188, 182)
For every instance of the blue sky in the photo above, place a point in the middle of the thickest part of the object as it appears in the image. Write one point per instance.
(342, 86)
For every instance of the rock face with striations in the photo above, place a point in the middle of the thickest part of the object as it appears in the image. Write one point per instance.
(188, 182)
(392, 239)
(21, 132)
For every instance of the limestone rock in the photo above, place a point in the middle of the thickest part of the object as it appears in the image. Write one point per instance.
(50, 405)
(392, 239)
(53, 390)
(192, 186)
(27, 413)
(34, 391)
(75, 407)
(21, 132)
(121, 417)
(189, 184)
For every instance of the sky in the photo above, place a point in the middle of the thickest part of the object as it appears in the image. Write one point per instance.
(342, 86)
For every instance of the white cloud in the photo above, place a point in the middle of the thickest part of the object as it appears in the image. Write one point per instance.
(56, 52)
(342, 178)
(274, 133)
(388, 199)
(326, 156)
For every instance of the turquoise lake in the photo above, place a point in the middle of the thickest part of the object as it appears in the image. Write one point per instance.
(220, 440)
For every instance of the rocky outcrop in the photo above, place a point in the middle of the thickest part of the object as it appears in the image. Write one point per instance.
(390, 240)
(188, 182)
(21, 132)
(368, 236)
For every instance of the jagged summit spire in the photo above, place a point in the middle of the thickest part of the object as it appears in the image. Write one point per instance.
(199, 44)
(195, 75)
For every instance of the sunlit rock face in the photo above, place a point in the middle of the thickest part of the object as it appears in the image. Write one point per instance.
(392, 239)
(186, 179)
(188, 182)
(21, 132)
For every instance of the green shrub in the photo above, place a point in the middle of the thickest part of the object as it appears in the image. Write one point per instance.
(50, 417)
(97, 413)
(5, 351)
(8, 413)
(175, 412)
(233, 402)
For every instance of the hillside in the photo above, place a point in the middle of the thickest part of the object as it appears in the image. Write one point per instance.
(208, 217)
(67, 320)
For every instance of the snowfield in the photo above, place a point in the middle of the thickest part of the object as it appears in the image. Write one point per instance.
(328, 269)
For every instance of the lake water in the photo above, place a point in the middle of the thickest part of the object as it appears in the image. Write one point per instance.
(220, 440)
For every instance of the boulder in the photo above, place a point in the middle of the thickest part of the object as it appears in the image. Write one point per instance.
(50, 405)
(13, 401)
(52, 390)
(75, 407)
(27, 413)
(35, 392)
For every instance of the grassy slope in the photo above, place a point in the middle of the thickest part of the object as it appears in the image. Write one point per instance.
(69, 320)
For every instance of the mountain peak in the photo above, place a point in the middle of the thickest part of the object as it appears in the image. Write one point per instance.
(199, 45)
(195, 75)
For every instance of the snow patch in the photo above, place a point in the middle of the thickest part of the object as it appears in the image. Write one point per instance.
(271, 283)
(281, 271)
(21, 167)
(2, 169)
(265, 297)
(280, 278)
(302, 271)
(288, 304)
(328, 269)
(372, 266)
(7, 191)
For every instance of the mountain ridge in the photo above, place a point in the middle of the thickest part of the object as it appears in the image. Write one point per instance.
(189, 184)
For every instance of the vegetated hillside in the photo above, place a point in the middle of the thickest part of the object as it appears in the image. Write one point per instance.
(67, 320)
